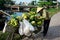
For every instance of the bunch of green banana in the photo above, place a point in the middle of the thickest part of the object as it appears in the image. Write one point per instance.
(33, 18)
(13, 22)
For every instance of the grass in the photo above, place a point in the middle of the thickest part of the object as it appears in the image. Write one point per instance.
(53, 11)
(3, 36)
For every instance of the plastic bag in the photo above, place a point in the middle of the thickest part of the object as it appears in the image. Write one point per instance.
(25, 28)
(21, 28)
(28, 25)
(4, 29)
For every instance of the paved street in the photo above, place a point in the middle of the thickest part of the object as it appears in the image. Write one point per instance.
(54, 28)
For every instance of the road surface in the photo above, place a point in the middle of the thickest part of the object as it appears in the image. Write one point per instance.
(54, 28)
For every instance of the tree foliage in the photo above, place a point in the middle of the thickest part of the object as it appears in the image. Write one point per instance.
(2, 2)
(44, 3)
(9, 2)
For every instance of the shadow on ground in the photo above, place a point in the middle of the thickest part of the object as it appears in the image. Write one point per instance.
(53, 33)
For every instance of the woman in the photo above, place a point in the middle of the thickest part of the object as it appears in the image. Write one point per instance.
(46, 22)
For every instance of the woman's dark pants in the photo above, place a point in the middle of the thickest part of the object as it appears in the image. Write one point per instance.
(46, 26)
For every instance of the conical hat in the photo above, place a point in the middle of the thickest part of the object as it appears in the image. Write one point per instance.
(39, 9)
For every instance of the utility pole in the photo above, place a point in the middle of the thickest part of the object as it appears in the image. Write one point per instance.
(57, 4)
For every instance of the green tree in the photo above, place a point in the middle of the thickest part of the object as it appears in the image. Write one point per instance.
(9, 2)
(33, 2)
(44, 3)
(2, 2)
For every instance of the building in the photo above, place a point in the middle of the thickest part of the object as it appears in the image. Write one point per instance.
(15, 8)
